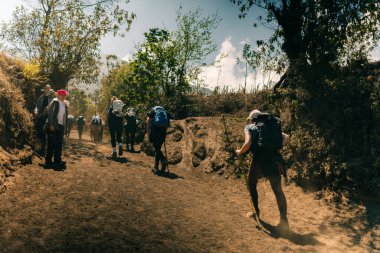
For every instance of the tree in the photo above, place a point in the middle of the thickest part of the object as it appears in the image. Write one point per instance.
(319, 34)
(80, 103)
(64, 35)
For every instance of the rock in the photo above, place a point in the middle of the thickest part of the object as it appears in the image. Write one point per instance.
(199, 150)
(147, 148)
(196, 161)
(177, 137)
(175, 157)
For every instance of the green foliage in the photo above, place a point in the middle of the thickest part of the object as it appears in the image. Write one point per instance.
(80, 103)
(164, 65)
(64, 35)
(316, 34)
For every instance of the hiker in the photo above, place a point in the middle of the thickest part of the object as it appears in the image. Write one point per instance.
(57, 113)
(42, 102)
(130, 127)
(81, 124)
(157, 123)
(115, 124)
(267, 160)
(70, 122)
(96, 127)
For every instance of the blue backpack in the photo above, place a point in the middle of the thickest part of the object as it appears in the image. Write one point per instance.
(160, 118)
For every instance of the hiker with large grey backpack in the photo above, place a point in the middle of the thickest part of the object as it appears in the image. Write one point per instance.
(157, 123)
(115, 124)
(264, 138)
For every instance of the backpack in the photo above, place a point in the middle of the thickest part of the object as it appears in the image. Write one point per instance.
(131, 117)
(268, 134)
(160, 117)
(117, 108)
(96, 120)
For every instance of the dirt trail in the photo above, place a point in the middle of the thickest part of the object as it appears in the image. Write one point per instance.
(101, 205)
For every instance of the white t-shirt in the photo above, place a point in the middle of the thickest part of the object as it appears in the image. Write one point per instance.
(61, 113)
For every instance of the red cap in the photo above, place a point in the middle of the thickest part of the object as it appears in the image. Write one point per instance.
(62, 92)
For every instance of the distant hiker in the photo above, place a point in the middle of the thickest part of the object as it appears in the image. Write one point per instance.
(263, 136)
(96, 128)
(81, 124)
(42, 102)
(130, 126)
(57, 113)
(115, 124)
(157, 123)
(70, 122)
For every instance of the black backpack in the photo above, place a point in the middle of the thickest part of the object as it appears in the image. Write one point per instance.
(268, 134)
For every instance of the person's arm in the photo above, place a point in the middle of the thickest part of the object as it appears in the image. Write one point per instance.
(148, 122)
(50, 110)
(247, 144)
(285, 139)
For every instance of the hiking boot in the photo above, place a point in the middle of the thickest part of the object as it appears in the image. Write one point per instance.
(60, 163)
(120, 150)
(48, 164)
(127, 148)
(155, 171)
(133, 150)
(164, 165)
(113, 155)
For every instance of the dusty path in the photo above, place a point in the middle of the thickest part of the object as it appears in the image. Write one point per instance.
(100, 205)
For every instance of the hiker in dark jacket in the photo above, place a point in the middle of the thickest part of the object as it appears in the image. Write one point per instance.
(55, 127)
(157, 123)
(130, 126)
(267, 164)
(115, 124)
(42, 102)
(81, 124)
(69, 125)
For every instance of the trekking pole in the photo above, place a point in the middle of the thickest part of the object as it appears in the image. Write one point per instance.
(166, 157)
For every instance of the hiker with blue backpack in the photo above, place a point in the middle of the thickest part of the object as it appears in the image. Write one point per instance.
(157, 123)
(115, 124)
(264, 138)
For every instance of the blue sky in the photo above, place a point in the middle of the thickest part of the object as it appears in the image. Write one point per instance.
(230, 35)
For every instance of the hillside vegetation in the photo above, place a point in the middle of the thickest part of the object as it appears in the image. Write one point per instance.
(16, 122)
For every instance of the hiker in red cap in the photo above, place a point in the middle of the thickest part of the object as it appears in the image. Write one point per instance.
(57, 113)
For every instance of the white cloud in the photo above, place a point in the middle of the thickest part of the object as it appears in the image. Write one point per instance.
(375, 55)
(227, 72)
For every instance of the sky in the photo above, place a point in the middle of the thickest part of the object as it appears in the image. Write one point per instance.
(230, 35)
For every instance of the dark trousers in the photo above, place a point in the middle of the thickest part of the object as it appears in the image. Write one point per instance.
(80, 132)
(41, 133)
(130, 136)
(255, 172)
(116, 132)
(158, 136)
(55, 142)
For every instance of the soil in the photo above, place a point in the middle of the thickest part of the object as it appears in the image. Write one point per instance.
(102, 205)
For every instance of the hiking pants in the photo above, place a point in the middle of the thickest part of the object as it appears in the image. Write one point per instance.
(255, 172)
(130, 136)
(80, 132)
(55, 142)
(41, 133)
(158, 136)
(116, 131)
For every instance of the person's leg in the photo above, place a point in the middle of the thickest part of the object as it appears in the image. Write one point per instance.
(119, 135)
(80, 133)
(253, 177)
(275, 182)
(132, 140)
(113, 138)
(50, 147)
(58, 144)
(126, 139)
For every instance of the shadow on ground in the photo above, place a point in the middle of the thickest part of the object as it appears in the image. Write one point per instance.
(286, 233)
